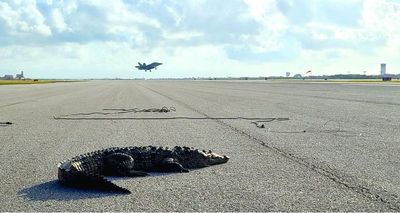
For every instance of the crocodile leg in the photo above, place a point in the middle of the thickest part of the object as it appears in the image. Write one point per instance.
(132, 173)
(121, 164)
(175, 167)
(171, 165)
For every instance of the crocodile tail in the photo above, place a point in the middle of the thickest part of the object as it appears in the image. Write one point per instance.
(102, 183)
(97, 182)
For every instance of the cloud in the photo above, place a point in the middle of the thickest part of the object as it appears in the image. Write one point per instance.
(337, 12)
(19, 19)
(292, 26)
(383, 17)
(238, 33)
(140, 22)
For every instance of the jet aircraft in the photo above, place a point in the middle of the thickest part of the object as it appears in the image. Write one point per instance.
(148, 67)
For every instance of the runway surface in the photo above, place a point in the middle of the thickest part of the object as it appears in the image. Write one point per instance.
(337, 150)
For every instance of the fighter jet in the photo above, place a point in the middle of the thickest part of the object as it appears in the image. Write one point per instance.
(148, 67)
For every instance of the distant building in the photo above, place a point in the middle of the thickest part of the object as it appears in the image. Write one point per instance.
(287, 74)
(383, 70)
(297, 76)
(385, 77)
(20, 76)
(8, 77)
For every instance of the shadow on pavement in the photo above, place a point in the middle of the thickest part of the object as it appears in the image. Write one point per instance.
(52, 190)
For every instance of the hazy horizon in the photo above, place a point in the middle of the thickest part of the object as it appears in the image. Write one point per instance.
(198, 38)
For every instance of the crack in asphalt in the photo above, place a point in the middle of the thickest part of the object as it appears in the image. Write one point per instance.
(16, 103)
(370, 191)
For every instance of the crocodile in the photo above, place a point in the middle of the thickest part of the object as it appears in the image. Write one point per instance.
(90, 170)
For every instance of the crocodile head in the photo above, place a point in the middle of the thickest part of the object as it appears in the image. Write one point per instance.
(200, 158)
(213, 158)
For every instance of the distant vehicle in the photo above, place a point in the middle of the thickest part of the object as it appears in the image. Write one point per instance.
(148, 67)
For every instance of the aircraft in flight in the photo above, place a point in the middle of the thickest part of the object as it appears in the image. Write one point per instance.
(148, 67)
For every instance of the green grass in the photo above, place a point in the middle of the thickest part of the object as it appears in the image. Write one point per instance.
(14, 82)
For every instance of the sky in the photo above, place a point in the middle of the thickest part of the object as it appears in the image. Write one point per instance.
(198, 38)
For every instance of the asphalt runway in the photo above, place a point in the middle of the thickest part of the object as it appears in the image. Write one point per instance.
(337, 149)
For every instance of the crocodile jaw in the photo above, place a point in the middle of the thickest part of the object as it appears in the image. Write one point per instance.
(214, 158)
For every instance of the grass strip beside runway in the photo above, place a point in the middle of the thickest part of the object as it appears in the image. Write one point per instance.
(14, 82)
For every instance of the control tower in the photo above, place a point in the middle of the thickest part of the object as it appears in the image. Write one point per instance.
(383, 70)
(383, 73)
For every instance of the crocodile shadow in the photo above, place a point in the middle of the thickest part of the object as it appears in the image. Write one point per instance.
(52, 190)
